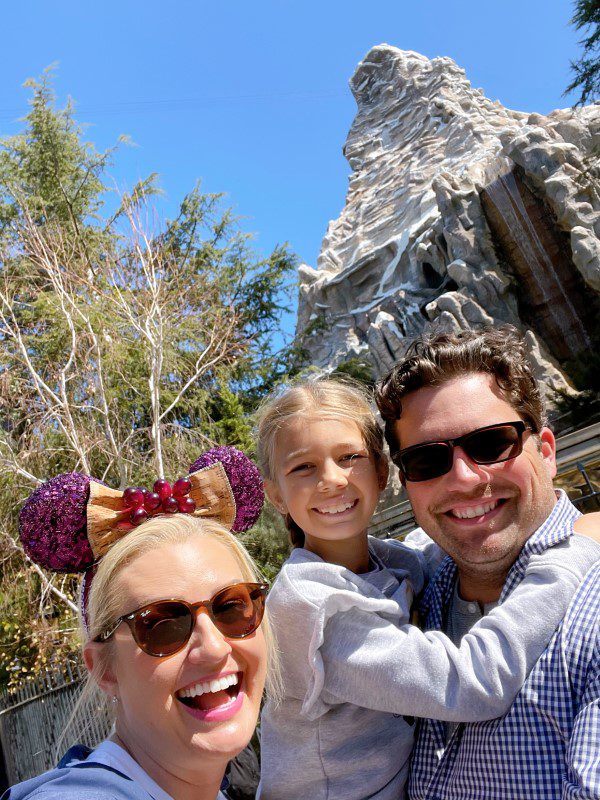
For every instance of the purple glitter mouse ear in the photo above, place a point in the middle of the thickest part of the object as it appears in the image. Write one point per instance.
(245, 481)
(53, 525)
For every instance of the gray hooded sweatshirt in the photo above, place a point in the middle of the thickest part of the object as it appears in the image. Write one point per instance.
(356, 673)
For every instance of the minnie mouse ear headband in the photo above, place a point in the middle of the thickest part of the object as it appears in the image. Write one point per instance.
(71, 521)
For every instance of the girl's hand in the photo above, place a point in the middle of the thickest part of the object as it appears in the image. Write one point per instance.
(589, 525)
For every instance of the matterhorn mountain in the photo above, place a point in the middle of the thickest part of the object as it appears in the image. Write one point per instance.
(459, 212)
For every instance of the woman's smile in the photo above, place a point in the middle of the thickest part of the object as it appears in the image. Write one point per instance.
(204, 698)
(215, 698)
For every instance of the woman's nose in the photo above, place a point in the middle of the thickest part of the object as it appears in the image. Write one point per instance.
(332, 475)
(207, 643)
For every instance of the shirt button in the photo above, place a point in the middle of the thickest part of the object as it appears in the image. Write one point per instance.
(472, 608)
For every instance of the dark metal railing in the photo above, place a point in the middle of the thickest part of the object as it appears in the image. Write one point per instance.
(34, 717)
(590, 500)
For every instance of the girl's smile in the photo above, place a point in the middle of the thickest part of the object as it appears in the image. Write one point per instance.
(338, 506)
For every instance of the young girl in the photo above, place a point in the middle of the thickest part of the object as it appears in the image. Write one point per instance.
(354, 671)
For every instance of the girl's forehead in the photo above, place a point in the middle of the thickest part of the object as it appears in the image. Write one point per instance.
(318, 429)
(306, 418)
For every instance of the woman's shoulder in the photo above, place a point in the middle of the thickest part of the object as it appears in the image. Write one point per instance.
(74, 778)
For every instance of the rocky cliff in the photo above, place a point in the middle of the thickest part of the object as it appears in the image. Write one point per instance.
(459, 212)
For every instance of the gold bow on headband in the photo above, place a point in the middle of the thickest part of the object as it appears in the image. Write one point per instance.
(108, 519)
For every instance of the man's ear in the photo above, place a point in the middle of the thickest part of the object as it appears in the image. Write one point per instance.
(548, 450)
(107, 680)
(274, 494)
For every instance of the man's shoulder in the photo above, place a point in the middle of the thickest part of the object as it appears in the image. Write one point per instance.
(583, 615)
(574, 651)
(555, 547)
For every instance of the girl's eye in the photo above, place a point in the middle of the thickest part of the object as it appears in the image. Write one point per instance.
(301, 468)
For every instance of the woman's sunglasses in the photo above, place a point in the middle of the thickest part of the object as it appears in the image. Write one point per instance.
(490, 445)
(164, 627)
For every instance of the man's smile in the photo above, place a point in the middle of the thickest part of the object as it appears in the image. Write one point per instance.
(475, 511)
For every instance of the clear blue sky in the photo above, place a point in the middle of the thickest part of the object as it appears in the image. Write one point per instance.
(253, 98)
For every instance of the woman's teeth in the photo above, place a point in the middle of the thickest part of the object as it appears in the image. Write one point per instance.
(336, 509)
(218, 685)
(475, 511)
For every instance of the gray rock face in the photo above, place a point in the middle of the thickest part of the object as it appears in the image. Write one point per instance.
(459, 212)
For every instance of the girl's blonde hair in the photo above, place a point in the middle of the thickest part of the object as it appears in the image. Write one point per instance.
(329, 398)
(104, 599)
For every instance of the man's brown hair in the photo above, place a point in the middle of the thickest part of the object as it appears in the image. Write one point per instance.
(435, 359)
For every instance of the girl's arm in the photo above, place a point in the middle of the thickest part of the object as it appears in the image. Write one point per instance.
(358, 656)
(430, 554)
(589, 525)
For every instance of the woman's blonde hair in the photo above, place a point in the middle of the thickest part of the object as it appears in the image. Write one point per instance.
(104, 599)
(329, 398)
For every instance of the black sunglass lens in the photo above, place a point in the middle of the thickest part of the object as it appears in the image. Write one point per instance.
(161, 629)
(493, 445)
(237, 610)
(426, 462)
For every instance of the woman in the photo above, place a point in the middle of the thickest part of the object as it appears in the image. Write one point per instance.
(175, 638)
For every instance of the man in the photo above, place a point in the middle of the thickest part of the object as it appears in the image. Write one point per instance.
(465, 425)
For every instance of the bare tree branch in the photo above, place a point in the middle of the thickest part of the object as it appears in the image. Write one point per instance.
(46, 582)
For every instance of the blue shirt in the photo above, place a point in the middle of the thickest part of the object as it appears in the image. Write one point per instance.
(548, 745)
(78, 778)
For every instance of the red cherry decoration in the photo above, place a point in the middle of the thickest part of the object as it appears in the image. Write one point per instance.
(170, 505)
(138, 515)
(151, 501)
(133, 497)
(186, 505)
(143, 502)
(162, 488)
(181, 487)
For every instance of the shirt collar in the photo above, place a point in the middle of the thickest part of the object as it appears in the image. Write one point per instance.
(557, 527)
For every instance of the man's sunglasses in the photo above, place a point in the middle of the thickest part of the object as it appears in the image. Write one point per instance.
(164, 627)
(490, 445)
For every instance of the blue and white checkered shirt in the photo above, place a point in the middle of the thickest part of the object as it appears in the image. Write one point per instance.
(548, 745)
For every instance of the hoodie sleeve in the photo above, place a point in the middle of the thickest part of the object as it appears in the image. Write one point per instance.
(340, 646)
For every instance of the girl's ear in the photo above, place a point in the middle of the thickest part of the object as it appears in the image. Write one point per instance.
(383, 471)
(273, 493)
(107, 680)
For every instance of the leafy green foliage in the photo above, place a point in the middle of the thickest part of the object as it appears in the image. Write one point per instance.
(268, 542)
(587, 68)
(232, 425)
(358, 368)
(123, 353)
